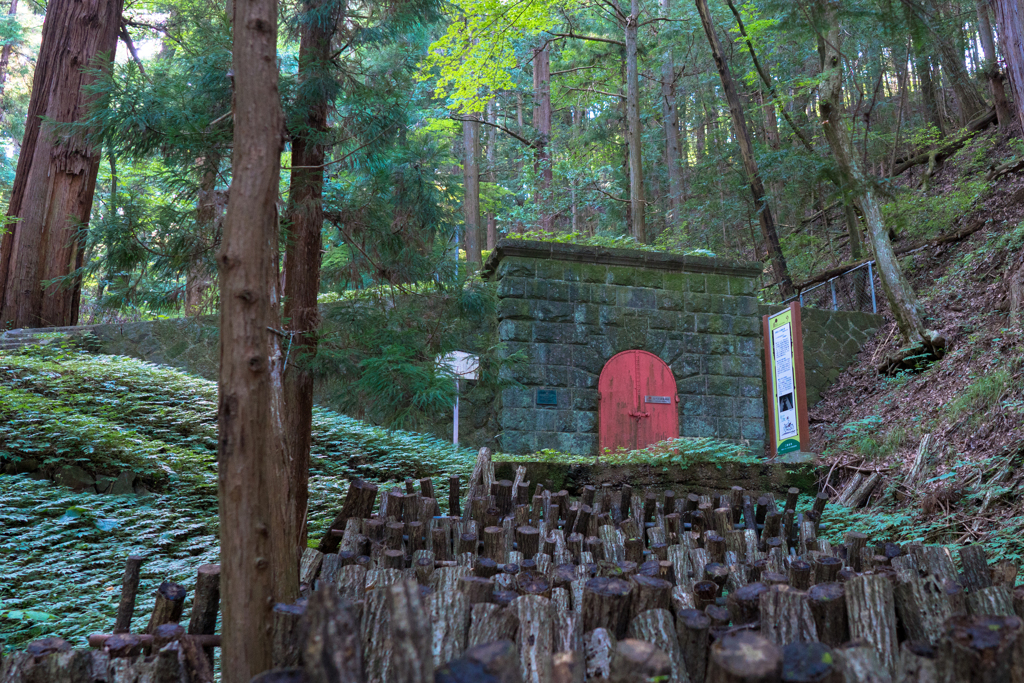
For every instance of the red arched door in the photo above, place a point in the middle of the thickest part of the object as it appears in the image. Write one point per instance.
(638, 401)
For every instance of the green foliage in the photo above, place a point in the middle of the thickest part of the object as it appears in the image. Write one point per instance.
(920, 215)
(681, 451)
(110, 413)
(980, 395)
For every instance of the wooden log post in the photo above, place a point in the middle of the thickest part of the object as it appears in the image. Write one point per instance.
(828, 606)
(745, 603)
(637, 661)
(650, 593)
(489, 622)
(599, 647)
(826, 569)
(993, 600)
(656, 626)
(534, 638)
(454, 496)
(862, 663)
(974, 560)
(923, 608)
(744, 657)
(332, 652)
(411, 650)
(449, 620)
(981, 648)
(786, 616)
(606, 604)
(359, 501)
(693, 628)
(170, 601)
(287, 645)
(871, 613)
(917, 663)
(129, 589)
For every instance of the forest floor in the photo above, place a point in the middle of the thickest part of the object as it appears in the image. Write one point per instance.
(969, 405)
(62, 553)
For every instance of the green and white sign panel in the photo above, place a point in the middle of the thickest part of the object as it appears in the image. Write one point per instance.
(784, 394)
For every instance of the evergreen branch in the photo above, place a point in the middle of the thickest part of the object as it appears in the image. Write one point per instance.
(766, 77)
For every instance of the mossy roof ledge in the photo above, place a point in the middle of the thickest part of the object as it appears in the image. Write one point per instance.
(616, 257)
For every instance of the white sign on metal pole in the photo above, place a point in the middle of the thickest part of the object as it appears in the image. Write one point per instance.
(464, 366)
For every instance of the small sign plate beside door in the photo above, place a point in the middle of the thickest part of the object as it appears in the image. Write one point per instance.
(657, 399)
(547, 397)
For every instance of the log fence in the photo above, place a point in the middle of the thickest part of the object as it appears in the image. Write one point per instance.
(528, 585)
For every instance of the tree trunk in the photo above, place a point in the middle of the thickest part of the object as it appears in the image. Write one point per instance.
(670, 121)
(542, 124)
(56, 175)
(995, 78)
(1011, 38)
(637, 200)
(197, 280)
(471, 183)
(5, 57)
(923, 67)
(492, 175)
(258, 559)
(305, 219)
(968, 96)
(764, 213)
(901, 296)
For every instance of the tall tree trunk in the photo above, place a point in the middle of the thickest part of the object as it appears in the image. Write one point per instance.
(257, 553)
(923, 67)
(471, 184)
(1011, 38)
(764, 212)
(995, 79)
(56, 176)
(670, 121)
(492, 173)
(304, 220)
(968, 97)
(542, 124)
(197, 279)
(637, 202)
(902, 299)
(5, 58)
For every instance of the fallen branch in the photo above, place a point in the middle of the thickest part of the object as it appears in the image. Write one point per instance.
(947, 150)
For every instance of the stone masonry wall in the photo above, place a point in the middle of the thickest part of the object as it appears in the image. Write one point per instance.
(569, 309)
(832, 340)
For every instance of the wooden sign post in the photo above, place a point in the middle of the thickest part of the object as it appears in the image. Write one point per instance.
(788, 429)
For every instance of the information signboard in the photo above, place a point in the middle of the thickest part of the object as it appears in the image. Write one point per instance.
(787, 395)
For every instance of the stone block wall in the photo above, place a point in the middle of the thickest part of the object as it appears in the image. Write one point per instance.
(566, 310)
(832, 340)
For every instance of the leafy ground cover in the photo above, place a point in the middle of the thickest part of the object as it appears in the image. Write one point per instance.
(62, 553)
(970, 405)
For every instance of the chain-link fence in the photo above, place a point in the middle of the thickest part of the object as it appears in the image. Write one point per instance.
(854, 290)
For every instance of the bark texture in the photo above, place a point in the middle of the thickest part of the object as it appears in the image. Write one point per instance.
(471, 184)
(259, 562)
(1011, 38)
(764, 213)
(898, 291)
(637, 201)
(56, 175)
(304, 221)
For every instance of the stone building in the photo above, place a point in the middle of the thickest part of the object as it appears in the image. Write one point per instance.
(568, 309)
